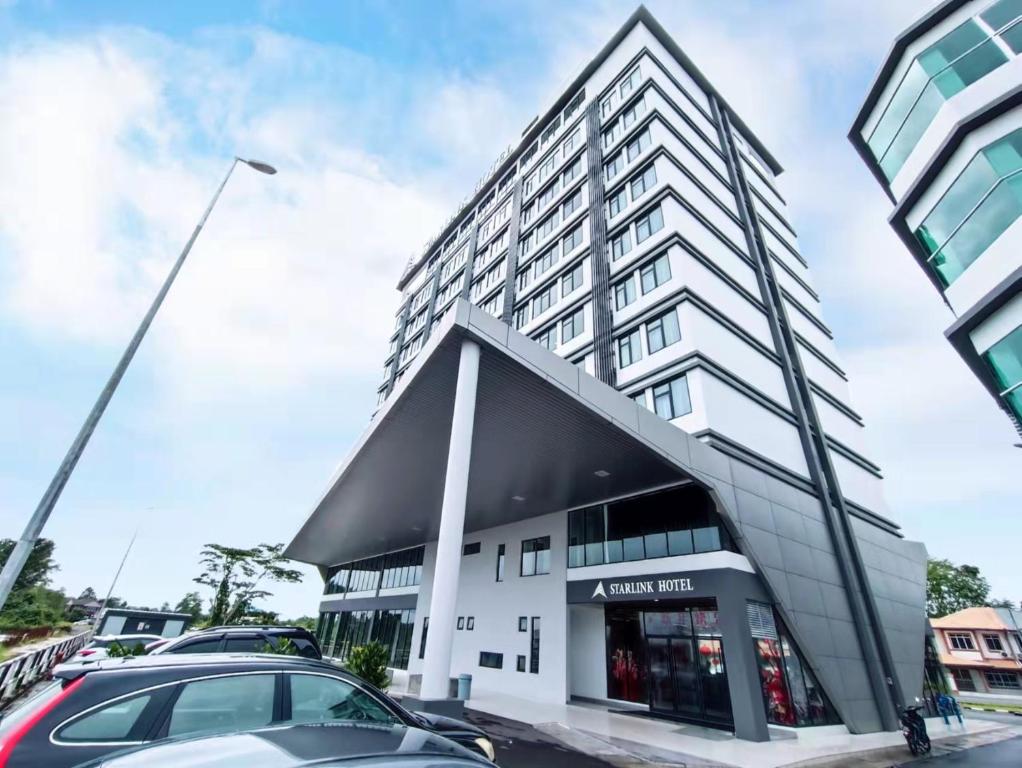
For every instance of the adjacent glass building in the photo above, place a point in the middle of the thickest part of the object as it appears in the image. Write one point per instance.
(615, 456)
(941, 129)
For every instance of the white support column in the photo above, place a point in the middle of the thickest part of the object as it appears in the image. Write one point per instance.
(436, 664)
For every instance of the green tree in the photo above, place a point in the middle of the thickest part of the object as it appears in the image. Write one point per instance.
(88, 594)
(951, 588)
(369, 662)
(191, 603)
(31, 602)
(1001, 604)
(236, 577)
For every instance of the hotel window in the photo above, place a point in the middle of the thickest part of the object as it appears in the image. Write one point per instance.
(573, 326)
(643, 181)
(548, 194)
(500, 562)
(613, 168)
(544, 300)
(671, 399)
(1005, 361)
(545, 262)
(550, 130)
(572, 171)
(631, 82)
(1001, 679)
(526, 243)
(536, 556)
(648, 224)
(638, 145)
(960, 641)
(979, 206)
(662, 332)
(617, 203)
(521, 316)
(610, 135)
(620, 245)
(491, 660)
(608, 104)
(533, 648)
(572, 204)
(524, 278)
(640, 398)
(629, 349)
(527, 212)
(655, 274)
(571, 280)
(993, 643)
(546, 167)
(572, 240)
(574, 104)
(680, 521)
(548, 338)
(574, 140)
(633, 113)
(548, 224)
(964, 55)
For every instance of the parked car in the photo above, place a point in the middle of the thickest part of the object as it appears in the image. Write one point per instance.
(95, 708)
(99, 646)
(242, 639)
(293, 746)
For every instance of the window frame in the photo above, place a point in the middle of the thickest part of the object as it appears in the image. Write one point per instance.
(967, 636)
(535, 571)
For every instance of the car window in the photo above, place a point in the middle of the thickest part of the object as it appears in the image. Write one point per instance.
(218, 704)
(110, 723)
(316, 699)
(199, 646)
(255, 644)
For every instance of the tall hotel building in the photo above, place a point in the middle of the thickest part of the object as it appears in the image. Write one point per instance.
(941, 129)
(615, 458)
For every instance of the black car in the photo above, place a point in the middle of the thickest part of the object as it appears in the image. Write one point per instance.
(94, 708)
(293, 746)
(242, 639)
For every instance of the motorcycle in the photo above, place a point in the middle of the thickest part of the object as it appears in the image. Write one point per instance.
(913, 728)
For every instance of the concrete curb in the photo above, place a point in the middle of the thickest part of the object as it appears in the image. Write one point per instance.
(981, 708)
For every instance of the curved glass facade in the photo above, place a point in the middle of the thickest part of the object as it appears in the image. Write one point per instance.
(960, 58)
(1005, 360)
(977, 208)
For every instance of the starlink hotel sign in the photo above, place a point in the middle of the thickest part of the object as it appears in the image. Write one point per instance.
(630, 588)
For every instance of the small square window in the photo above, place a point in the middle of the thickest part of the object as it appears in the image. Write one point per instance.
(471, 549)
(523, 623)
(521, 663)
(461, 622)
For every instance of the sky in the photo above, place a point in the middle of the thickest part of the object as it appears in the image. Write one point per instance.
(120, 118)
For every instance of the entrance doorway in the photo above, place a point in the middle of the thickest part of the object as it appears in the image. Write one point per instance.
(672, 659)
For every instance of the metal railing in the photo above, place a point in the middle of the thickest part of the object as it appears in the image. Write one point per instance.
(23, 671)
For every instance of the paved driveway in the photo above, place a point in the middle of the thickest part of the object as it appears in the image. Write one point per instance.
(1003, 754)
(519, 745)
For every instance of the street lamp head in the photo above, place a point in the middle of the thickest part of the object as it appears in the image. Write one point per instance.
(266, 168)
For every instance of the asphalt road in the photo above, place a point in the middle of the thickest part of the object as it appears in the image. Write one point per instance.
(1003, 754)
(521, 746)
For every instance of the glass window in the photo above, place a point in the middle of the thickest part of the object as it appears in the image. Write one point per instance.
(573, 326)
(572, 204)
(491, 660)
(571, 280)
(110, 723)
(613, 168)
(624, 293)
(618, 201)
(422, 639)
(199, 646)
(521, 316)
(536, 556)
(534, 647)
(960, 58)
(671, 398)
(1001, 679)
(638, 145)
(572, 171)
(543, 301)
(993, 643)
(548, 338)
(655, 274)
(643, 181)
(500, 562)
(319, 699)
(960, 641)
(572, 240)
(620, 245)
(648, 224)
(662, 332)
(630, 83)
(982, 202)
(237, 703)
(633, 113)
(1005, 361)
(251, 644)
(629, 349)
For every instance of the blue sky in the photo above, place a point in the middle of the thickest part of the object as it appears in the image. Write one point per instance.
(261, 369)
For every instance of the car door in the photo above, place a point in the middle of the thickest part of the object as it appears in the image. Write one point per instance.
(317, 698)
(222, 703)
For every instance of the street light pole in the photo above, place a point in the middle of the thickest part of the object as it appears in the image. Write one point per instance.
(22, 550)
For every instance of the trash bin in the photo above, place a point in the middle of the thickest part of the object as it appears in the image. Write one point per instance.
(464, 687)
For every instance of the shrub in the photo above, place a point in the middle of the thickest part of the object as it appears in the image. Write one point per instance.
(115, 650)
(370, 663)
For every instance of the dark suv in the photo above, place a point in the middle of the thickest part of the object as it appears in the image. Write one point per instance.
(95, 708)
(242, 639)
